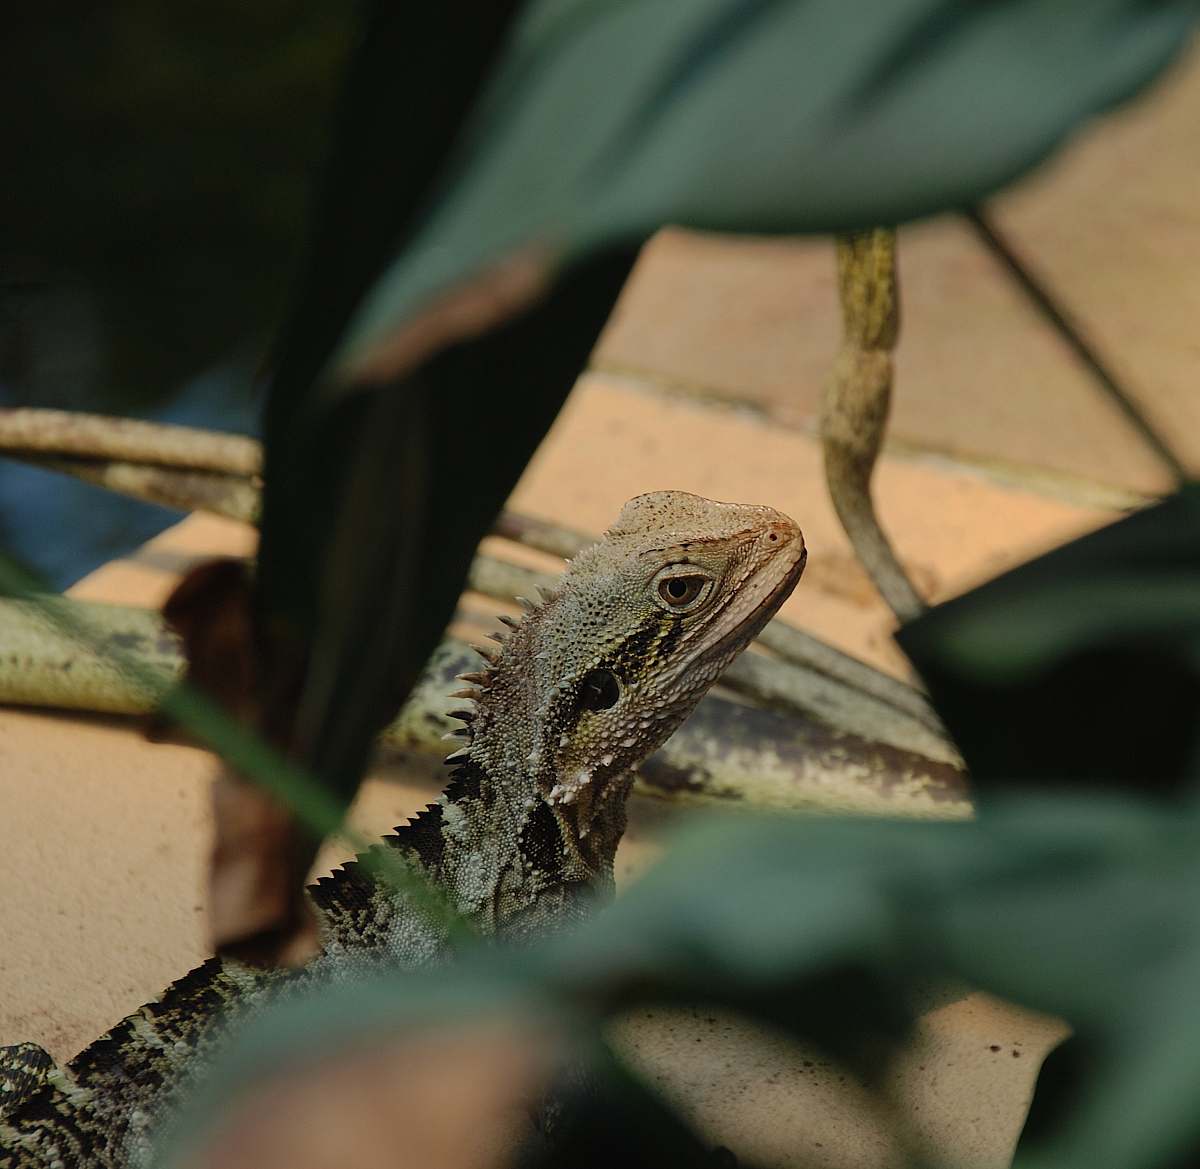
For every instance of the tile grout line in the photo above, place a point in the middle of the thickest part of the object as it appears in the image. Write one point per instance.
(1050, 309)
(1072, 489)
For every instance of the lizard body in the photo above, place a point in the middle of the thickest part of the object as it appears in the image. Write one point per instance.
(583, 688)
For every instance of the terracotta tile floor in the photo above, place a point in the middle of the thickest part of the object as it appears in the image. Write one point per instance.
(1003, 445)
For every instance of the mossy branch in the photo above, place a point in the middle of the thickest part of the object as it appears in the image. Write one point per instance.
(196, 469)
(727, 750)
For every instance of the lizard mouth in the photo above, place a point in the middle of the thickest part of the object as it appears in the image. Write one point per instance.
(772, 601)
(764, 593)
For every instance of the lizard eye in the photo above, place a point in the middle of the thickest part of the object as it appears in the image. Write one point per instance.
(683, 591)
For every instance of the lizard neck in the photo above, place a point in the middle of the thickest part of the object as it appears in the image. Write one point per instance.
(514, 860)
(509, 861)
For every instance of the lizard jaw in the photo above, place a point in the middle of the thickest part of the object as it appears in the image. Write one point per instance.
(760, 598)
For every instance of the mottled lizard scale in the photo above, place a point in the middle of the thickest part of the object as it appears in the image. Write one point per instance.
(578, 692)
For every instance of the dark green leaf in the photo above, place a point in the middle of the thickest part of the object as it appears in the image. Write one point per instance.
(1085, 906)
(156, 187)
(608, 119)
(616, 1119)
(1082, 666)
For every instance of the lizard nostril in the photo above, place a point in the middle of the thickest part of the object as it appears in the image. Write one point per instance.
(773, 537)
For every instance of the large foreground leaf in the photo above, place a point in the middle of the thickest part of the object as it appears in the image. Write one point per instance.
(1082, 666)
(1084, 906)
(608, 119)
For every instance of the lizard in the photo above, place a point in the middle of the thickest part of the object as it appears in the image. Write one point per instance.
(587, 683)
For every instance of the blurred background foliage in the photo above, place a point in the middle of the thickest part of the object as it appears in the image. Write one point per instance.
(159, 188)
(159, 163)
(159, 226)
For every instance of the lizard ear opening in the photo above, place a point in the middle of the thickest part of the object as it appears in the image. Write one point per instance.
(599, 691)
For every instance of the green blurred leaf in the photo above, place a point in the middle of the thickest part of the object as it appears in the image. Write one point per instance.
(157, 169)
(371, 519)
(1082, 666)
(1084, 906)
(608, 119)
(620, 1120)
(372, 509)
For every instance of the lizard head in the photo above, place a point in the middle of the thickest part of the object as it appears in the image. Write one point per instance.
(641, 626)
